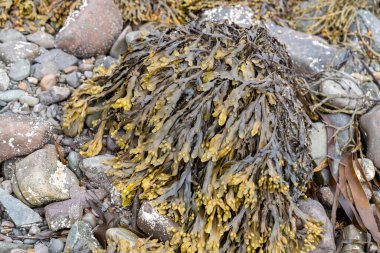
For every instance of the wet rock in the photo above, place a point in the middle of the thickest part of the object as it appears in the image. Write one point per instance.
(54, 95)
(42, 39)
(10, 95)
(80, 237)
(41, 178)
(4, 80)
(29, 100)
(154, 224)
(80, 193)
(48, 82)
(239, 14)
(368, 169)
(116, 235)
(106, 62)
(326, 196)
(19, 213)
(7, 35)
(120, 46)
(74, 159)
(346, 90)
(315, 210)
(46, 68)
(352, 234)
(12, 51)
(63, 214)
(21, 135)
(310, 54)
(19, 70)
(318, 137)
(60, 58)
(322, 177)
(72, 79)
(56, 245)
(369, 123)
(91, 30)
(6, 247)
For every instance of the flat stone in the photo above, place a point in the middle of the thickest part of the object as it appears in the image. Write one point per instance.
(48, 82)
(316, 211)
(54, 95)
(29, 100)
(91, 30)
(63, 214)
(11, 95)
(370, 125)
(42, 39)
(115, 236)
(4, 80)
(46, 68)
(7, 35)
(154, 224)
(12, 51)
(120, 46)
(80, 237)
(318, 137)
(41, 178)
(6, 247)
(73, 80)
(60, 58)
(19, 213)
(19, 70)
(21, 135)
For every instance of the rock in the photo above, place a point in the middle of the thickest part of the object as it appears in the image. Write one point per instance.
(11, 95)
(60, 58)
(239, 14)
(6, 247)
(42, 39)
(309, 54)
(8, 167)
(81, 237)
(95, 165)
(7, 186)
(7, 35)
(63, 214)
(352, 234)
(40, 248)
(46, 68)
(132, 36)
(56, 246)
(42, 178)
(4, 80)
(54, 95)
(316, 211)
(120, 46)
(29, 100)
(79, 193)
(88, 74)
(346, 90)
(73, 80)
(91, 30)
(154, 224)
(369, 124)
(90, 219)
(19, 70)
(85, 67)
(74, 159)
(19, 213)
(115, 236)
(21, 135)
(70, 69)
(318, 138)
(326, 196)
(34, 230)
(368, 169)
(12, 51)
(106, 62)
(48, 82)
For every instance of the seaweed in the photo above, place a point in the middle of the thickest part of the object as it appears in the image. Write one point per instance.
(211, 132)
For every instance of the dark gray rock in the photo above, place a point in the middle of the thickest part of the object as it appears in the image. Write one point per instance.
(326, 196)
(19, 70)
(46, 68)
(11, 95)
(370, 123)
(120, 46)
(19, 213)
(54, 95)
(7, 35)
(63, 214)
(80, 237)
(72, 79)
(42, 39)
(12, 51)
(60, 58)
(4, 80)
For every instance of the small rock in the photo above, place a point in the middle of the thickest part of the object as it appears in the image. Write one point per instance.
(29, 100)
(120, 46)
(73, 80)
(95, 165)
(106, 62)
(7, 186)
(21, 135)
(11, 51)
(368, 169)
(48, 82)
(81, 237)
(32, 80)
(85, 67)
(91, 30)
(70, 69)
(115, 236)
(5, 238)
(7, 35)
(54, 95)
(34, 230)
(74, 159)
(11, 95)
(154, 224)
(40, 248)
(90, 219)
(42, 39)
(46, 68)
(88, 74)
(42, 178)
(18, 250)
(23, 86)
(79, 193)
(6, 247)
(8, 224)
(19, 213)
(326, 196)
(19, 70)
(63, 214)
(316, 211)
(4, 80)
(369, 123)
(318, 138)
(60, 58)
(56, 245)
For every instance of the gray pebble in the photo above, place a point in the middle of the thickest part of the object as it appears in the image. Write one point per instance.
(34, 230)
(46, 68)
(85, 67)
(19, 70)
(32, 80)
(74, 159)
(29, 100)
(30, 241)
(11, 35)
(10, 95)
(88, 74)
(42, 39)
(56, 246)
(7, 186)
(73, 80)
(4, 80)
(54, 95)
(41, 248)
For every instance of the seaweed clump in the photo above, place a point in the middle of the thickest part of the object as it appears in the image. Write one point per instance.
(211, 133)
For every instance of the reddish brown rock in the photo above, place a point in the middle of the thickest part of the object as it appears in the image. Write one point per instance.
(48, 82)
(21, 135)
(91, 30)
